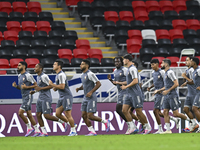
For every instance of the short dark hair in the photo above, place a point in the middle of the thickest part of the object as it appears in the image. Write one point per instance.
(128, 56)
(23, 63)
(190, 57)
(154, 61)
(41, 65)
(60, 63)
(167, 61)
(87, 62)
(135, 64)
(120, 58)
(196, 60)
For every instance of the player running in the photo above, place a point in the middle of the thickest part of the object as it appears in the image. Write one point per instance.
(196, 81)
(158, 83)
(25, 83)
(65, 100)
(169, 91)
(44, 101)
(90, 83)
(187, 75)
(134, 97)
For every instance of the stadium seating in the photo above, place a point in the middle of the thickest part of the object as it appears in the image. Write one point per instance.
(83, 44)
(135, 34)
(43, 26)
(126, 15)
(133, 46)
(111, 16)
(139, 5)
(193, 24)
(13, 26)
(16, 16)
(40, 35)
(72, 35)
(5, 7)
(28, 26)
(34, 7)
(80, 53)
(11, 35)
(19, 7)
(95, 53)
(179, 24)
(166, 6)
(31, 16)
(162, 34)
(4, 63)
(152, 6)
(31, 62)
(14, 62)
(67, 44)
(46, 16)
(65, 53)
(179, 6)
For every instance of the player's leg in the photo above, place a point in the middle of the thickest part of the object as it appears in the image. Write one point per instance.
(132, 114)
(91, 109)
(71, 121)
(119, 111)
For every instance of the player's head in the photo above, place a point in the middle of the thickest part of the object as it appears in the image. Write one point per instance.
(135, 64)
(58, 64)
(22, 66)
(188, 61)
(38, 68)
(85, 65)
(194, 61)
(118, 62)
(154, 64)
(165, 63)
(127, 58)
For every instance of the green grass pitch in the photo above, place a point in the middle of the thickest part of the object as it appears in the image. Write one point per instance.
(185, 141)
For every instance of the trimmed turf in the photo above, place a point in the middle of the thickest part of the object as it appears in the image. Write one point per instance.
(183, 141)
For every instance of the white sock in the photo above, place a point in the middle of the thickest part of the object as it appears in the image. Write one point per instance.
(91, 129)
(73, 129)
(43, 130)
(172, 118)
(68, 123)
(160, 127)
(59, 120)
(188, 119)
(147, 126)
(132, 125)
(29, 126)
(103, 121)
(193, 121)
(36, 128)
(168, 126)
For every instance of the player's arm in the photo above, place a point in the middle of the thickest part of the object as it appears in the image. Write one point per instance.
(23, 86)
(45, 79)
(16, 86)
(185, 77)
(92, 77)
(174, 79)
(149, 88)
(133, 73)
(61, 85)
(80, 88)
(111, 80)
(121, 83)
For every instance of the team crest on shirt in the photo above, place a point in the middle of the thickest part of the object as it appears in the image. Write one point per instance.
(120, 74)
(23, 79)
(195, 75)
(158, 76)
(85, 77)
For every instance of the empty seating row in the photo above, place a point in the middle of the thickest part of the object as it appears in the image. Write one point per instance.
(20, 7)
(31, 26)
(28, 16)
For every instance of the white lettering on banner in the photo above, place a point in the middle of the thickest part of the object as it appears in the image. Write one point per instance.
(18, 125)
(103, 116)
(46, 123)
(171, 122)
(81, 123)
(55, 124)
(3, 125)
(154, 119)
(144, 112)
(96, 124)
(119, 122)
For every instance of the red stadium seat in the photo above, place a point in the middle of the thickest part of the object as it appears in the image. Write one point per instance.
(166, 6)
(179, 5)
(3, 72)
(19, 7)
(141, 15)
(95, 53)
(5, 7)
(80, 53)
(65, 53)
(31, 62)
(152, 6)
(34, 7)
(71, 2)
(11, 35)
(126, 15)
(133, 46)
(13, 26)
(4, 63)
(176, 34)
(43, 26)
(135, 34)
(199, 58)
(14, 62)
(28, 26)
(193, 24)
(83, 44)
(1, 37)
(174, 61)
(183, 58)
(139, 5)
(111, 16)
(179, 24)
(162, 34)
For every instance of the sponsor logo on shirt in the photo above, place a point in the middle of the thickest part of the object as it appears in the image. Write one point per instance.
(23, 79)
